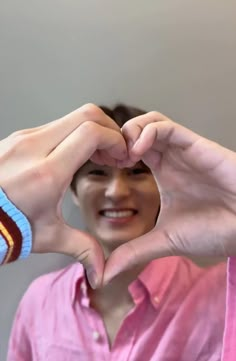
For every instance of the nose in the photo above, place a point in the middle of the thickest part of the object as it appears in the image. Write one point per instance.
(117, 188)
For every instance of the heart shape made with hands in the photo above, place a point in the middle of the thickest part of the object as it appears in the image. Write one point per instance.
(188, 170)
(37, 166)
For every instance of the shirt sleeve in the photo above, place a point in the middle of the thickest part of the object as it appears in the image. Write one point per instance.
(229, 345)
(15, 231)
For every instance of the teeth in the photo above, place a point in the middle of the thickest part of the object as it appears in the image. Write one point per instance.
(117, 214)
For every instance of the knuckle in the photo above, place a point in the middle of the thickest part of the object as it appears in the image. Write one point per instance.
(127, 128)
(83, 256)
(90, 129)
(22, 142)
(154, 115)
(150, 126)
(18, 133)
(91, 111)
(87, 253)
(17, 137)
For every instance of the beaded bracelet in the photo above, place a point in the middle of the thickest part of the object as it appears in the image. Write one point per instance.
(15, 232)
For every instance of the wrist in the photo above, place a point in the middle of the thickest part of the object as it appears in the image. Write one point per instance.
(15, 232)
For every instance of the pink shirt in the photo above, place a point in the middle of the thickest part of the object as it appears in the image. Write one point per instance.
(178, 316)
(229, 353)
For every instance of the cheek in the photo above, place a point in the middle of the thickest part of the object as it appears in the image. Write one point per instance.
(88, 196)
(87, 204)
(151, 201)
(151, 210)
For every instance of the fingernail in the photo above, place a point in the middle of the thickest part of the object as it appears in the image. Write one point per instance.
(135, 144)
(92, 278)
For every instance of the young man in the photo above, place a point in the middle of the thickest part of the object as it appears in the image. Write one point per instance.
(168, 309)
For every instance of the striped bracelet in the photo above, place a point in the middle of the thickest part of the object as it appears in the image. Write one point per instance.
(15, 232)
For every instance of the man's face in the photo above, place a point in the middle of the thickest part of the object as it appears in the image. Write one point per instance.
(117, 205)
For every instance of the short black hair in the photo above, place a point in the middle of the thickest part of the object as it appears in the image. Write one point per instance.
(121, 113)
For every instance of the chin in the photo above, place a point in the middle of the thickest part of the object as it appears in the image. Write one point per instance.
(114, 241)
(111, 239)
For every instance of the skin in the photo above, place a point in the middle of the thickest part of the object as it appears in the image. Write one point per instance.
(132, 190)
(196, 179)
(32, 176)
(197, 182)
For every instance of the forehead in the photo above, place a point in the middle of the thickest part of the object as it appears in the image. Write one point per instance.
(91, 165)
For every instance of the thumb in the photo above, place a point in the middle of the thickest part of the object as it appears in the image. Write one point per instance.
(85, 249)
(136, 252)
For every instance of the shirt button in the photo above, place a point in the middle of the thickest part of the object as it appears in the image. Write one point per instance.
(96, 335)
(156, 299)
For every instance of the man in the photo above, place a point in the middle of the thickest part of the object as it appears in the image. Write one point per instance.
(176, 141)
(145, 313)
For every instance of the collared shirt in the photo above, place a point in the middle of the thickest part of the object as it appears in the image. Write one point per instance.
(229, 352)
(178, 315)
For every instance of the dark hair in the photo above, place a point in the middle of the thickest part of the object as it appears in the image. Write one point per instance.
(120, 114)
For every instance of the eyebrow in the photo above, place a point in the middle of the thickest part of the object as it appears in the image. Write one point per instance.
(89, 164)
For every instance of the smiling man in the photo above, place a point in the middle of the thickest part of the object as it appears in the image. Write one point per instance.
(116, 204)
(166, 310)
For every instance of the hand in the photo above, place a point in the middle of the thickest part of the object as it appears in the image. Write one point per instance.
(197, 183)
(37, 166)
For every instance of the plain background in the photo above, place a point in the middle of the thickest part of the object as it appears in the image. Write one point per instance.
(178, 57)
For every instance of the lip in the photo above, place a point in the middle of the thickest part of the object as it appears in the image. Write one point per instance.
(118, 220)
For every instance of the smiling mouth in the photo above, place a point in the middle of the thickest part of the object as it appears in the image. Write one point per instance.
(118, 214)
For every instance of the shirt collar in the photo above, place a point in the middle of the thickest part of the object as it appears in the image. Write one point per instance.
(77, 282)
(156, 279)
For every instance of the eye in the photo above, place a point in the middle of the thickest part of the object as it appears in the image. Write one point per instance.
(98, 172)
(140, 170)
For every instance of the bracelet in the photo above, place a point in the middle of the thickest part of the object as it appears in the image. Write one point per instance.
(15, 231)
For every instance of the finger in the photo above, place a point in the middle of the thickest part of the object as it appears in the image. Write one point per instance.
(164, 134)
(97, 158)
(134, 127)
(61, 128)
(81, 247)
(87, 251)
(126, 163)
(202, 154)
(80, 145)
(154, 135)
(46, 137)
(138, 251)
(152, 159)
(101, 157)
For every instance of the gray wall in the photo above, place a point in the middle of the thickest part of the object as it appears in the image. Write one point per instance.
(175, 56)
